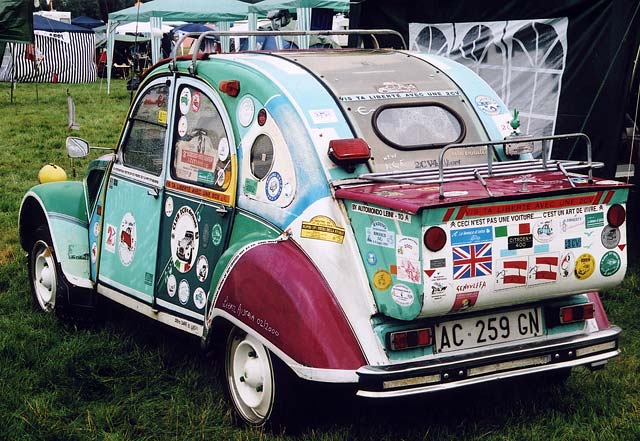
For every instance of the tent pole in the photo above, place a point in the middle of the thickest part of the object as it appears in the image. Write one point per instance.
(13, 67)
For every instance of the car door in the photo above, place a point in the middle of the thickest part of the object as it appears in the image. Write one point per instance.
(198, 201)
(133, 200)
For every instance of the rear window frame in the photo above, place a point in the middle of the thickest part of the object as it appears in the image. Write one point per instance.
(383, 138)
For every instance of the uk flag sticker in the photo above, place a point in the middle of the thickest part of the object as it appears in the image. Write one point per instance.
(472, 261)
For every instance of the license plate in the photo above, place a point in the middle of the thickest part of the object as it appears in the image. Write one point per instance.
(486, 330)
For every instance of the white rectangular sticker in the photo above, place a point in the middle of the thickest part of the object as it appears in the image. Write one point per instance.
(323, 116)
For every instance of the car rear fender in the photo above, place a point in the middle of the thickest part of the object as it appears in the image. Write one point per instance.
(61, 207)
(272, 290)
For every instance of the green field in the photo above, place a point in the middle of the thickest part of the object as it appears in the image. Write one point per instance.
(131, 379)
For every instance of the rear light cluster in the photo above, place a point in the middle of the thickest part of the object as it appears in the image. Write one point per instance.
(576, 313)
(415, 338)
(616, 215)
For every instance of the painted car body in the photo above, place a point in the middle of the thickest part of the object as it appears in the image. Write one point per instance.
(221, 207)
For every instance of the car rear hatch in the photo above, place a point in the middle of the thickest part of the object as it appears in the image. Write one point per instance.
(474, 244)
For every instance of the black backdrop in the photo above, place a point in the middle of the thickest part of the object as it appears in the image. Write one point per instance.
(603, 37)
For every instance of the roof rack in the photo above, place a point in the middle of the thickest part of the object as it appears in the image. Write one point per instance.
(202, 35)
(491, 169)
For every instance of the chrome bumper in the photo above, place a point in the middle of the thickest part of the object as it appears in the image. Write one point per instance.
(454, 371)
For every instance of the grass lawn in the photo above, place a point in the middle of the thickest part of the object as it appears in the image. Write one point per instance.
(131, 379)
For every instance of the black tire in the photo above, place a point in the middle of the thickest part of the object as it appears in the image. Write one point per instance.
(44, 275)
(259, 386)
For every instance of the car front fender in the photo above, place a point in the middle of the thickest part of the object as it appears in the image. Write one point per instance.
(61, 207)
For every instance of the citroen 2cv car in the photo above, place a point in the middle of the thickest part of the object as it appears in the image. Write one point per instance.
(347, 216)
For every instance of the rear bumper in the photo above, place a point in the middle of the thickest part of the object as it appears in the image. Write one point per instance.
(593, 349)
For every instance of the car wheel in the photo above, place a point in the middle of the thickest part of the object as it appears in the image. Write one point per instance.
(257, 383)
(43, 273)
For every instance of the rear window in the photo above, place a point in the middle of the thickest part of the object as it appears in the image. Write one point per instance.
(418, 126)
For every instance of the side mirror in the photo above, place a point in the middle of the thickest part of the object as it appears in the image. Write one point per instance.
(77, 147)
(347, 153)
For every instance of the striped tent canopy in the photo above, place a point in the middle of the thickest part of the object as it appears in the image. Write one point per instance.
(61, 53)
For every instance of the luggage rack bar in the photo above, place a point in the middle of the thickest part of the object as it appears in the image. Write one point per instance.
(202, 35)
(490, 169)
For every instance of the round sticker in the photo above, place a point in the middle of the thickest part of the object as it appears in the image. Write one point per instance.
(223, 149)
(183, 126)
(183, 292)
(195, 102)
(402, 295)
(543, 231)
(216, 235)
(585, 264)
(246, 110)
(199, 298)
(610, 237)
(372, 259)
(609, 264)
(488, 105)
(220, 178)
(202, 268)
(128, 238)
(382, 280)
(287, 190)
(185, 101)
(94, 252)
(273, 187)
(184, 239)
(171, 285)
(168, 206)
(566, 264)
(96, 229)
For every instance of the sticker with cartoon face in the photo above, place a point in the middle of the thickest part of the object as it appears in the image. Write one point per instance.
(184, 239)
(127, 239)
(202, 268)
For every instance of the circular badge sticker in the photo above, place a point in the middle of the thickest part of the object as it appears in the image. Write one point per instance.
(402, 295)
(372, 259)
(128, 239)
(183, 126)
(172, 285)
(246, 110)
(202, 268)
(96, 229)
(610, 237)
(543, 231)
(223, 149)
(168, 206)
(216, 235)
(195, 102)
(585, 265)
(94, 252)
(199, 298)
(566, 264)
(220, 178)
(273, 186)
(488, 105)
(610, 263)
(185, 101)
(382, 280)
(184, 239)
(183, 292)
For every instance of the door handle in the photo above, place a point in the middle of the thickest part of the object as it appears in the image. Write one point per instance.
(153, 191)
(222, 210)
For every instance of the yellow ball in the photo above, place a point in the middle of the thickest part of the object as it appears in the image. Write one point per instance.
(51, 173)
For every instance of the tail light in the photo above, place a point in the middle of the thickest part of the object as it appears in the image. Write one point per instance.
(616, 215)
(415, 338)
(576, 313)
(435, 239)
(348, 153)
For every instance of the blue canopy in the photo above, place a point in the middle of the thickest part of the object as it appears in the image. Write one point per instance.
(41, 23)
(87, 22)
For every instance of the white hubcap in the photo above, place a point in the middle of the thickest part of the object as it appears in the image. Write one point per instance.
(44, 276)
(250, 377)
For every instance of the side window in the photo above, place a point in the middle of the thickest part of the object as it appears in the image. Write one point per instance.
(144, 145)
(200, 152)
